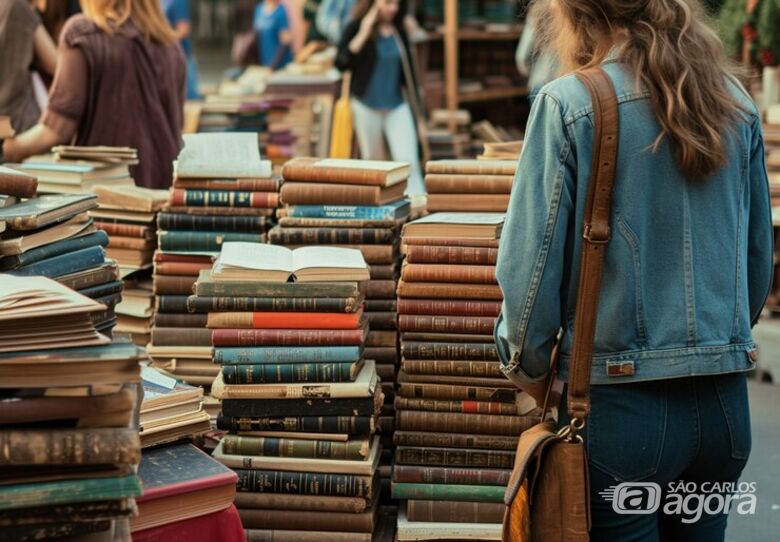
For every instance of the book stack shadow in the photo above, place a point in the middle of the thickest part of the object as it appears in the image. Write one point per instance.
(469, 185)
(299, 399)
(359, 204)
(54, 236)
(457, 417)
(222, 191)
(69, 440)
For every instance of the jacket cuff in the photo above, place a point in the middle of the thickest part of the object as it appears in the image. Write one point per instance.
(509, 357)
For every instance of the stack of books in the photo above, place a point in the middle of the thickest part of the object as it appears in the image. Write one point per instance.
(68, 437)
(359, 204)
(78, 170)
(457, 417)
(299, 399)
(222, 191)
(448, 134)
(469, 185)
(171, 410)
(54, 236)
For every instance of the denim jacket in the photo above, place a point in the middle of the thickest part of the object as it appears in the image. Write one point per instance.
(689, 264)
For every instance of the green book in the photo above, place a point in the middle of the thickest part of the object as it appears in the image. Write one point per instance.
(447, 492)
(69, 491)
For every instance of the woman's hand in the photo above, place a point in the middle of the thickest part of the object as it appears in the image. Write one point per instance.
(365, 31)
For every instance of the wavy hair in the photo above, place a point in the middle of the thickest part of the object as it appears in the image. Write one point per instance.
(147, 14)
(672, 52)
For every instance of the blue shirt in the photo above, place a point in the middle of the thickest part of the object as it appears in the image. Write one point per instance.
(177, 11)
(269, 27)
(384, 87)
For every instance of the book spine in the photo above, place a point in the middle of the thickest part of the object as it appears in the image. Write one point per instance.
(69, 447)
(444, 422)
(292, 222)
(483, 369)
(286, 337)
(381, 305)
(359, 212)
(382, 338)
(450, 351)
(246, 185)
(473, 167)
(449, 307)
(454, 457)
(301, 354)
(167, 320)
(22, 186)
(180, 268)
(350, 425)
(66, 246)
(450, 242)
(180, 285)
(304, 483)
(487, 203)
(452, 392)
(328, 522)
(247, 408)
(103, 290)
(436, 290)
(272, 535)
(416, 474)
(380, 289)
(381, 354)
(383, 272)
(125, 230)
(320, 236)
(454, 511)
(351, 450)
(475, 325)
(64, 264)
(328, 194)
(288, 373)
(226, 223)
(451, 255)
(276, 304)
(471, 274)
(131, 243)
(444, 492)
(295, 171)
(223, 198)
(172, 303)
(175, 336)
(309, 290)
(464, 407)
(202, 241)
(382, 320)
(69, 491)
(454, 440)
(272, 501)
(51, 531)
(468, 184)
(284, 320)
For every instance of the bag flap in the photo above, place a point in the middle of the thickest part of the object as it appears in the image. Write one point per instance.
(531, 441)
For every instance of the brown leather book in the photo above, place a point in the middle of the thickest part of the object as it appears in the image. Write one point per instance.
(465, 407)
(284, 535)
(446, 422)
(127, 256)
(381, 305)
(288, 337)
(497, 203)
(91, 277)
(345, 171)
(133, 243)
(455, 511)
(381, 354)
(316, 521)
(171, 320)
(471, 167)
(220, 211)
(314, 503)
(121, 229)
(443, 290)
(174, 336)
(451, 255)
(382, 320)
(115, 446)
(411, 240)
(473, 274)
(279, 235)
(181, 268)
(386, 372)
(453, 391)
(482, 369)
(383, 272)
(380, 289)
(416, 474)
(487, 382)
(447, 337)
(83, 409)
(436, 183)
(446, 324)
(449, 350)
(16, 183)
(454, 440)
(173, 284)
(449, 307)
(247, 185)
(455, 457)
(339, 194)
(382, 338)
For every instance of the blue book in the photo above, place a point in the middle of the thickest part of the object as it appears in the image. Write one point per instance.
(395, 210)
(64, 246)
(64, 264)
(286, 354)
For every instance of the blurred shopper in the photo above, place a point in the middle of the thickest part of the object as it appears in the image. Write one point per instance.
(537, 64)
(24, 45)
(688, 259)
(274, 39)
(375, 49)
(178, 14)
(332, 18)
(120, 81)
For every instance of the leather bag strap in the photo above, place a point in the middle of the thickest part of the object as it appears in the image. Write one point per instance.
(596, 234)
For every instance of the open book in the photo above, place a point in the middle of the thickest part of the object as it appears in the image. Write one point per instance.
(27, 297)
(457, 225)
(221, 155)
(272, 263)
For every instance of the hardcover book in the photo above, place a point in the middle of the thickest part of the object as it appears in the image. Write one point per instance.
(346, 171)
(44, 210)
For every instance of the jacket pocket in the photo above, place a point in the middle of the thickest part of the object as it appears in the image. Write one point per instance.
(626, 429)
(733, 397)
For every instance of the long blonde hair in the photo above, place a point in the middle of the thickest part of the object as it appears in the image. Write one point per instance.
(147, 14)
(671, 51)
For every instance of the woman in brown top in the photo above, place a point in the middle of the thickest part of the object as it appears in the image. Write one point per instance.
(120, 81)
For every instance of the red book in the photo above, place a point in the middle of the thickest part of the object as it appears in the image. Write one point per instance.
(286, 320)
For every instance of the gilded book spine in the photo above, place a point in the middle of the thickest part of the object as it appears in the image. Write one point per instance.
(452, 255)
(452, 351)
(449, 273)
(268, 373)
(125, 230)
(464, 407)
(416, 474)
(455, 392)
(223, 198)
(69, 447)
(287, 337)
(350, 425)
(454, 511)
(443, 422)
(304, 483)
(475, 325)
(482, 369)
(320, 236)
(437, 290)
(180, 221)
(351, 450)
(275, 304)
(454, 457)
(454, 440)
(443, 492)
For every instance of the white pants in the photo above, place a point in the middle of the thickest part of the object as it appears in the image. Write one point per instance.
(396, 126)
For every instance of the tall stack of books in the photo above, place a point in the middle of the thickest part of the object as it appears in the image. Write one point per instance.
(299, 399)
(222, 191)
(469, 185)
(68, 437)
(53, 236)
(359, 204)
(457, 417)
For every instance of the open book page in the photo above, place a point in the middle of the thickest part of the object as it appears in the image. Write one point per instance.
(374, 165)
(463, 218)
(327, 257)
(21, 297)
(224, 155)
(256, 256)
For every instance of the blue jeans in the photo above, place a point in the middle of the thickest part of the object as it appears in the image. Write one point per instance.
(694, 429)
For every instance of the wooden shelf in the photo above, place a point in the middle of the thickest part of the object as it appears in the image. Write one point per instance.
(491, 94)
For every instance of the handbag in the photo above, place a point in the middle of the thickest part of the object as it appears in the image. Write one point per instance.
(342, 129)
(547, 498)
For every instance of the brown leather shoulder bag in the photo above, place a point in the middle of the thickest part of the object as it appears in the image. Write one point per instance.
(548, 495)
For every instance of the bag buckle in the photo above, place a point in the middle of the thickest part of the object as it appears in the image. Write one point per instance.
(596, 237)
(570, 433)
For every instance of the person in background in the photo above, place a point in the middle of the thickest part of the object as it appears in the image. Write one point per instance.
(539, 65)
(25, 44)
(310, 10)
(274, 38)
(178, 14)
(375, 49)
(333, 17)
(120, 81)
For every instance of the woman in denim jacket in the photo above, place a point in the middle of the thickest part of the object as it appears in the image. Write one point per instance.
(687, 269)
